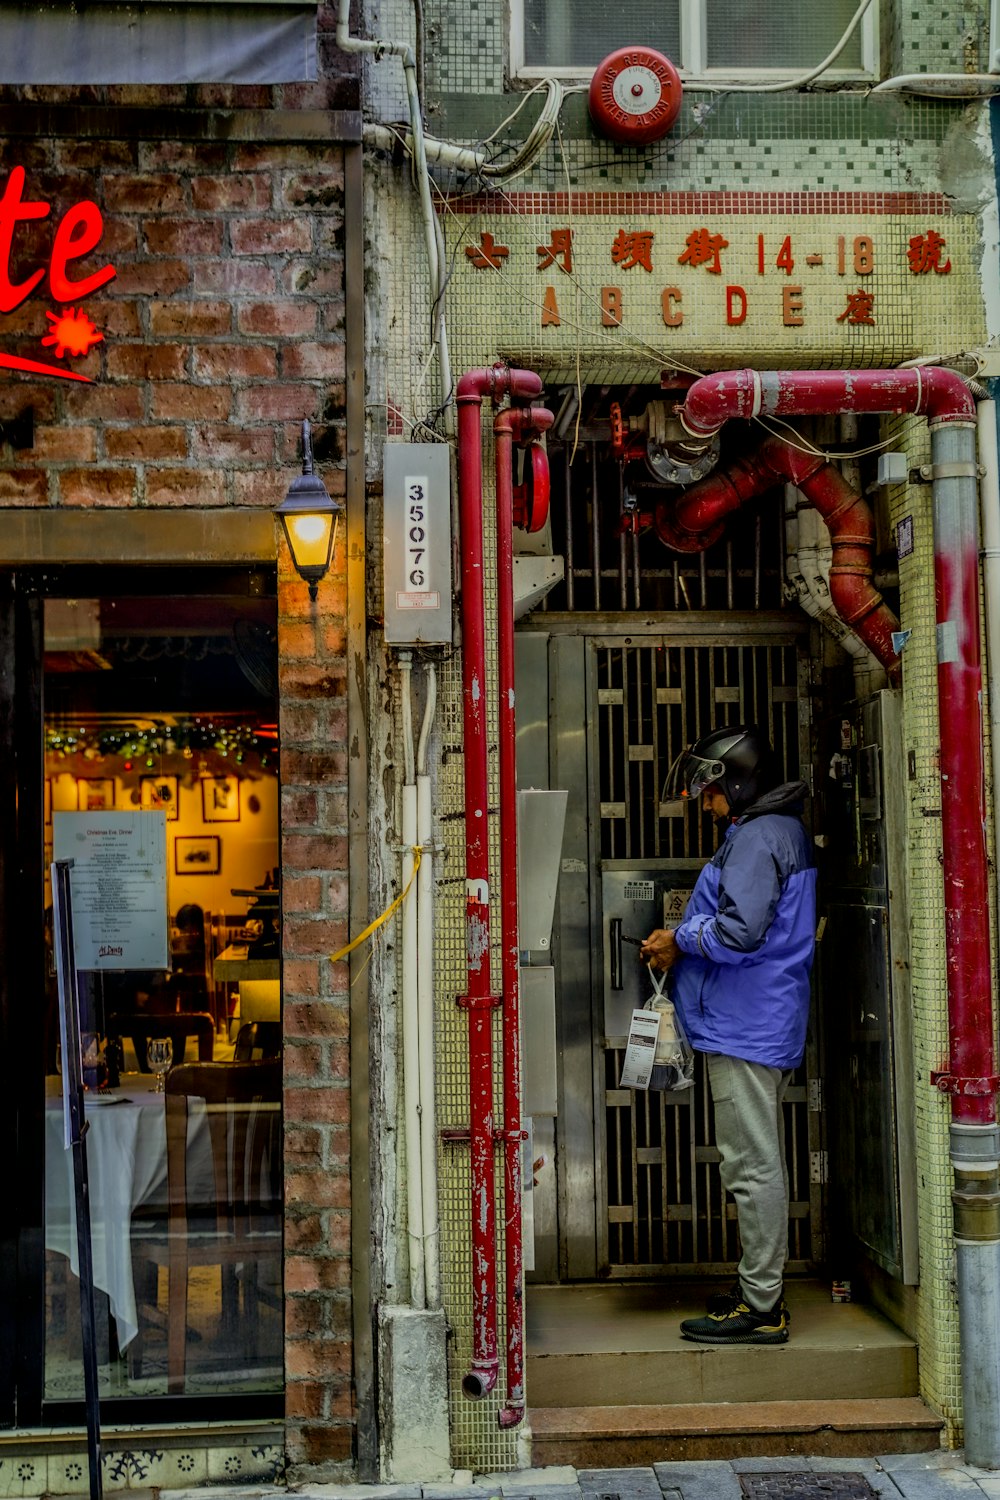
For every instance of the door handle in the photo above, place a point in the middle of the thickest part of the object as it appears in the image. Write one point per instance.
(616, 952)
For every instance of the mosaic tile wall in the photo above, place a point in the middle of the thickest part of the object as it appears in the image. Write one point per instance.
(469, 46)
(940, 1367)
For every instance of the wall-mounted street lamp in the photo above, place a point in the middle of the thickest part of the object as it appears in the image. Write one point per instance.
(309, 519)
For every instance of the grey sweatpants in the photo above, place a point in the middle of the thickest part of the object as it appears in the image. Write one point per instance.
(750, 1134)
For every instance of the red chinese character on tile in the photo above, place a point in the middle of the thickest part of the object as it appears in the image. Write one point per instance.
(631, 250)
(559, 248)
(486, 253)
(702, 247)
(860, 308)
(924, 254)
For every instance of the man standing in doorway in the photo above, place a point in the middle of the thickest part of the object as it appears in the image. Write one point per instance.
(740, 964)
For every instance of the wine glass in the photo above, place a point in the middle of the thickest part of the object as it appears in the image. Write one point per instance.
(160, 1052)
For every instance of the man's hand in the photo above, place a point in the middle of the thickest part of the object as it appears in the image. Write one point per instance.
(660, 949)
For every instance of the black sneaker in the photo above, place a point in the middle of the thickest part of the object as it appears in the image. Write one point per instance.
(739, 1324)
(723, 1302)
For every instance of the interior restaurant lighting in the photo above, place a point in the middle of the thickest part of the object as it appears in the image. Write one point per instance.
(309, 519)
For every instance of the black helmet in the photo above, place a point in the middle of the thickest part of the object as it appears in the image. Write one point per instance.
(738, 758)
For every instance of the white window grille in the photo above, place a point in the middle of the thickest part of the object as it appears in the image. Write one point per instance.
(709, 39)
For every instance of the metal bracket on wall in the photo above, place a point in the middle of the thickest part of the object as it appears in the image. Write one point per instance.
(952, 1083)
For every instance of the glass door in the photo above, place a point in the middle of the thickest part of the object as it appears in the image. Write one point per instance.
(145, 745)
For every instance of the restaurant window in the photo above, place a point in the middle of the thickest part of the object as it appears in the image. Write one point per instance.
(701, 37)
(159, 761)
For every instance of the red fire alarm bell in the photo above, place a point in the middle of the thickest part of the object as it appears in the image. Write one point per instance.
(635, 96)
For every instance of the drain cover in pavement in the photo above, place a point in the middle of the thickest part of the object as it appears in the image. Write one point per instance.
(825, 1486)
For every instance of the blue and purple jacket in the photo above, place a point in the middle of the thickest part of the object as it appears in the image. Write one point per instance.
(742, 986)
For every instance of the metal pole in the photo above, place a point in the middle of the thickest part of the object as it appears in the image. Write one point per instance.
(69, 1004)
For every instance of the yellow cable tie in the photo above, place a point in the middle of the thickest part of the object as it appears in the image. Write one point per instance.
(373, 926)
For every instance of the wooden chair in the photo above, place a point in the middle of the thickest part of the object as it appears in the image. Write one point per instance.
(257, 1039)
(237, 1223)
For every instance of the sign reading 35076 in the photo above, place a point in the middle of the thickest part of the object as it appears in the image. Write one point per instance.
(417, 543)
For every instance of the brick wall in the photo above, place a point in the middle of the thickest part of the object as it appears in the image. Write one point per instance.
(313, 686)
(223, 329)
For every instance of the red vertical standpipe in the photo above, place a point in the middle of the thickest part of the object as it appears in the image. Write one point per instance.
(524, 425)
(522, 385)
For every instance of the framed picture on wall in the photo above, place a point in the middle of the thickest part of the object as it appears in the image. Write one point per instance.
(220, 799)
(156, 792)
(199, 854)
(95, 796)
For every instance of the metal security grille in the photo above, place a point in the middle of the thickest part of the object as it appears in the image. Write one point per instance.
(655, 699)
(609, 565)
(666, 1210)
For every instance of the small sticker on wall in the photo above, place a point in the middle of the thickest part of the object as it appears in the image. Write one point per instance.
(904, 536)
(674, 903)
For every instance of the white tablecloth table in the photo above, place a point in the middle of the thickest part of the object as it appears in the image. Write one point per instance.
(127, 1167)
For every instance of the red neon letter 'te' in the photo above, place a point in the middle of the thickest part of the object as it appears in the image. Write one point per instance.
(79, 231)
(11, 211)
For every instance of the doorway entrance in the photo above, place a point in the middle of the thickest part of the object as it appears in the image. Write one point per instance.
(145, 701)
(638, 652)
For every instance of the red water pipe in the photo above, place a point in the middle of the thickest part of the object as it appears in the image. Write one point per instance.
(510, 426)
(520, 385)
(698, 510)
(938, 394)
(944, 398)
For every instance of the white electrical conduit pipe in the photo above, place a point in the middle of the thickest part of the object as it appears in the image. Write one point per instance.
(967, 85)
(478, 162)
(411, 1021)
(805, 530)
(404, 51)
(425, 1007)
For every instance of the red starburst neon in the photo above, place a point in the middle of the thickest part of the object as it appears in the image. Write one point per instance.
(72, 333)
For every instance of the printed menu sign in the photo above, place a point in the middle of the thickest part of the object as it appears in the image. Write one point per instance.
(119, 887)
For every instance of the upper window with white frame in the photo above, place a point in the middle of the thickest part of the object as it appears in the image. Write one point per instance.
(702, 38)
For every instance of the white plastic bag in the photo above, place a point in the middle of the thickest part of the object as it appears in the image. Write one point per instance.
(673, 1063)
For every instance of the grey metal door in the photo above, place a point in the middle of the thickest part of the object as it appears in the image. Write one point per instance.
(638, 1179)
(865, 983)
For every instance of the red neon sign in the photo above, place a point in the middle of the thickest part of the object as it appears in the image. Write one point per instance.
(77, 234)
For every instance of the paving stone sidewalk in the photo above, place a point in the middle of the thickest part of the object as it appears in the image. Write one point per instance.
(901, 1476)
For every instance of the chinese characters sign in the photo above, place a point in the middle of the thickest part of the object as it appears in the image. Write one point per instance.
(806, 278)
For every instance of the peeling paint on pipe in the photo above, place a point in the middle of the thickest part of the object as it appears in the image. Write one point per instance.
(498, 383)
(521, 425)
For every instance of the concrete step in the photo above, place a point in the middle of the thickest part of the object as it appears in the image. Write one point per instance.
(604, 1345)
(607, 1437)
